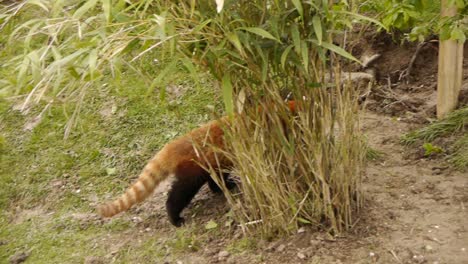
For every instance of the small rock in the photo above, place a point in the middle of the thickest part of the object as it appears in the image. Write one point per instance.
(57, 183)
(301, 255)
(315, 243)
(281, 248)
(19, 257)
(137, 219)
(301, 230)
(179, 262)
(418, 258)
(428, 248)
(223, 254)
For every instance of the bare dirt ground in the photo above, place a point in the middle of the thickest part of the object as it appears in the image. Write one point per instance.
(415, 210)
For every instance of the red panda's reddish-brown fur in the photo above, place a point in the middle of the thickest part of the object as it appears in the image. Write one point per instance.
(182, 160)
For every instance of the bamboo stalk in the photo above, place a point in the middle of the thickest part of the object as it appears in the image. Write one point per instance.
(450, 68)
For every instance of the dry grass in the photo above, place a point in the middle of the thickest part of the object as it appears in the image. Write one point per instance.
(302, 169)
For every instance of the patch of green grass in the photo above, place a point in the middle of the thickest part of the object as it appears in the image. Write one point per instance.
(431, 149)
(460, 153)
(118, 130)
(373, 154)
(150, 250)
(454, 125)
(242, 245)
(185, 241)
(49, 242)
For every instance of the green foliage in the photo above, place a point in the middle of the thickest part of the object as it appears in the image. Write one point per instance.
(420, 18)
(185, 241)
(460, 153)
(242, 245)
(66, 47)
(455, 126)
(453, 123)
(373, 154)
(211, 225)
(431, 149)
(256, 49)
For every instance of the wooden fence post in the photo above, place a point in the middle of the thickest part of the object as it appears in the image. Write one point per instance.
(449, 77)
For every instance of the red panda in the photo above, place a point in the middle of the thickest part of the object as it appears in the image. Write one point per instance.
(180, 159)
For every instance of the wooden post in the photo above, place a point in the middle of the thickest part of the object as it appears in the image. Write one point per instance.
(449, 77)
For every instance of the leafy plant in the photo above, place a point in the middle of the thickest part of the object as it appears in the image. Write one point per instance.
(293, 171)
(454, 125)
(431, 149)
(420, 18)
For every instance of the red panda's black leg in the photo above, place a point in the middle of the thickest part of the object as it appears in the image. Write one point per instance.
(229, 183)
(213, 186)
(182, 192)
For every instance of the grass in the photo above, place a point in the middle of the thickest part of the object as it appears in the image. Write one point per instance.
(47, 182)
(454, 127)
(297, 169)
(454, 123)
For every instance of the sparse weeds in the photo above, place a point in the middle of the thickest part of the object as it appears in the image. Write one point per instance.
(457, 121)
(459, 155)
(454, 125)
(373, 154)
(297, 168)
(242, 245)
(185, 241)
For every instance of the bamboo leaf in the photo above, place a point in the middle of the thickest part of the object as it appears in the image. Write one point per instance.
(192, 70)
(22, 69)
(88, 5)
(303, 220)
(317, 28)
(38, 3)
(234, 39)
(297, 4)
(226, 86)
(305, 55)
(296, 38)
(36, 70)
(338, 50)
(67, 59)
(361, 17)
(260, 32)
(284, 56)
(201, 26)
(55, 53)
(92, 61)
(106, 7)
(32, 32)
